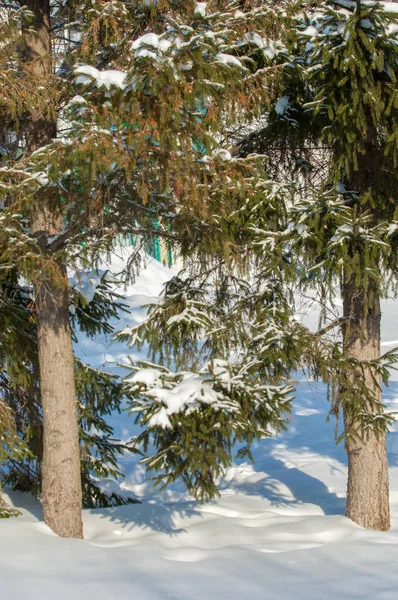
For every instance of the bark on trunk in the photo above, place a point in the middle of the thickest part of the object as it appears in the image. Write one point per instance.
(368, 486)
(61, 480)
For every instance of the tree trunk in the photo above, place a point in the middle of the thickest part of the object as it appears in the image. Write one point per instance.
(367, 487)
(61, 481)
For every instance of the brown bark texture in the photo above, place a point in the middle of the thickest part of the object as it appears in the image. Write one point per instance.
(368, 485)
(61, 480)
(368, 482)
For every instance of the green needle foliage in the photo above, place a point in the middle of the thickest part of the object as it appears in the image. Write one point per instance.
(225, 329)
(193, 419)
(98, 394)
(333, 128)
(142, 114)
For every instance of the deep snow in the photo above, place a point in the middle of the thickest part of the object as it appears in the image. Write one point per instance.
(277, 532)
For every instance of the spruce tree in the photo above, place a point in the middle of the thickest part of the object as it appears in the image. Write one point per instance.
(106, 131)
(334, 127)
(223, 342)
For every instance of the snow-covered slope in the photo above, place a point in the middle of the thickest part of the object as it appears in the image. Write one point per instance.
(277, 532)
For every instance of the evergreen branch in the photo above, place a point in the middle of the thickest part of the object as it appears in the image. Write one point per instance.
(332, 325)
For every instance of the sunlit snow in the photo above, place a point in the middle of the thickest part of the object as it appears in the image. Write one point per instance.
(277, 532)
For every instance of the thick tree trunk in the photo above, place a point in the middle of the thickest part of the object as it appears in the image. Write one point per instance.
(367, 488)
(61, 480)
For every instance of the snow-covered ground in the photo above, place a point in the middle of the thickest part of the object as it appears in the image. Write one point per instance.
(277, 532)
